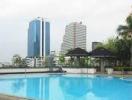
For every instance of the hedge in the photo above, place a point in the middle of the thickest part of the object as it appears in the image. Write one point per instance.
(122, 68)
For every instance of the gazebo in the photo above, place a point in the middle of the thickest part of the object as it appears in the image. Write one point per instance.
(103, 54)
(77, 52)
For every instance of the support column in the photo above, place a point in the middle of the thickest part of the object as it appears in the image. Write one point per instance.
(102, 65)
(131, 55)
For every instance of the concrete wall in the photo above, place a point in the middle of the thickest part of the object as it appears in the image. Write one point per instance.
(68, 70)
(22, 70)
(120, 72)
(80, 70)
(31, 70)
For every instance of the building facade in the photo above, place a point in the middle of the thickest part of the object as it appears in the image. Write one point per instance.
(38, 38)
(75, 36)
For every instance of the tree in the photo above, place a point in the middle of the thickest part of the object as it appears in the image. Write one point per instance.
(125, 31)
(111, 45)
(120, 47)
(123, 51)
(62, 59)
(16, 60)
(23, 63)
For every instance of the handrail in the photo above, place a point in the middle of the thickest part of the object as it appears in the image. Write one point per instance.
(25, 70)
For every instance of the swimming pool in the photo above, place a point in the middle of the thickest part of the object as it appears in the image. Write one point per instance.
(66, 87)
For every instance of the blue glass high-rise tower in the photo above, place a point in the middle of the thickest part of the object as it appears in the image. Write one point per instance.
(38, 38)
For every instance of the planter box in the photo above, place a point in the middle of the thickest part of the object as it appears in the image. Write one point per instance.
(80, 70)
(22, 70)
(124, 72)
(109, 70)
(92, 70)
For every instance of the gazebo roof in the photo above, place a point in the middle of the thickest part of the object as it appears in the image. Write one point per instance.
(101, 53)
(77, 52)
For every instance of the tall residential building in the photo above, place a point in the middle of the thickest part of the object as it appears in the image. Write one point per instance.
(75, 36)
(38, 38)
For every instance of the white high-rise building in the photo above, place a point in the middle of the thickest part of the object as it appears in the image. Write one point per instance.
(75, 37)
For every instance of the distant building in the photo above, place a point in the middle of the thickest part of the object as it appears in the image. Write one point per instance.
(95, 44)
(1, 65)
(5, 64)
(75, 36)
(38, 38)
(34, 62)
(38, 62)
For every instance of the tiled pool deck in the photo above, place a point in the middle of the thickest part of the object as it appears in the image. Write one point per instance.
(9, 97)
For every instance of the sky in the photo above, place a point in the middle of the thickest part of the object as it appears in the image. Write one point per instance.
(102, 17)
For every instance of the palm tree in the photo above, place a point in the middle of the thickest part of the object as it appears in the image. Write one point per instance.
(125, 31)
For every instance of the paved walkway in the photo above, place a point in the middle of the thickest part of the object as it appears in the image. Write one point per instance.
(8, 97)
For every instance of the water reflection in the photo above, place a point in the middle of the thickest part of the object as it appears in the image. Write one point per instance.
(75, 86)
(101, 88)
(17, 85)
(56, 87)
(110, 88)
(33, 86)
(36, 88)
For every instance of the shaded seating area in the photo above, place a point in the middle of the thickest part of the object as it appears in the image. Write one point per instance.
(106, 57)
(76, 54)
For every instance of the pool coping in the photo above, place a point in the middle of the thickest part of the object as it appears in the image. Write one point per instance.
(47, 73)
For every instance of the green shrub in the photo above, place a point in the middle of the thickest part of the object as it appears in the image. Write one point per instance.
(122, 68)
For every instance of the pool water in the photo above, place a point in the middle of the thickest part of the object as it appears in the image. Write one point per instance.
(66, 87)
